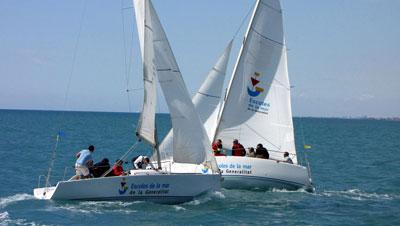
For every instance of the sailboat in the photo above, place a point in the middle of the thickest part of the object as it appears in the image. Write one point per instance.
(257, 109)
(194, 170)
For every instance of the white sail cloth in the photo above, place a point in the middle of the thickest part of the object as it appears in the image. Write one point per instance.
(190, 141)
(146, 126)
(206, 100)
(257, 108)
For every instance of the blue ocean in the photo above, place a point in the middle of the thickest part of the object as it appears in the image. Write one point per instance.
(354, 166)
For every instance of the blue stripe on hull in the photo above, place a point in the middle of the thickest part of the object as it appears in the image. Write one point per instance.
(259, 183)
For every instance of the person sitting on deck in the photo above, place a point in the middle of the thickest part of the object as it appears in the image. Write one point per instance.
(217, 148)
(142, 162)
(117, 168)
(83, 162)
(262, 152)
(286, 158)
(238, 149)
(251, 152)
(98, 169)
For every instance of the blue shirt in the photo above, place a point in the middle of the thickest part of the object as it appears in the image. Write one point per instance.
(84, 157)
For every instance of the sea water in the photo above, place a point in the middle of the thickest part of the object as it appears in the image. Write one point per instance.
(354, 166)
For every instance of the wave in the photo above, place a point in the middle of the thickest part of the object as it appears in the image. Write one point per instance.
(5, 220)
(282, 190)
(179, 208)
(206, 198)
(15, 198)
(356, 194)
(96, 207)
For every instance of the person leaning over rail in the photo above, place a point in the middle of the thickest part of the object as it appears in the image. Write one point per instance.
(83, 162)
(100, 168)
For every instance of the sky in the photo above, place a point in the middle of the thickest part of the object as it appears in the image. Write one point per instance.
(83, 55)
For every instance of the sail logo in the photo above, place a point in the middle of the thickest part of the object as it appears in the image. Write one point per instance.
(255, 90)
(255, 104)
(123, 187)
(204, 170)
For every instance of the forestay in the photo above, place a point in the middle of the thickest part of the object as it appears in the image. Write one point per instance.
(258, 108)
(206, 100)
(146, 126)
(190, 141)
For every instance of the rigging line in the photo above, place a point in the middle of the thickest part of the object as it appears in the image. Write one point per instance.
(262, 136)
(123, 156)
(125, 60)
(54, 153)
(243, 21)
(130, 59)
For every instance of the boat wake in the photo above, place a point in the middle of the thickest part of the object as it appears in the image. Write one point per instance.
(97, 207)
(300, 190)
(356, 194)
(14, 198)
(6, 220)
(179, 208)
(206, 198)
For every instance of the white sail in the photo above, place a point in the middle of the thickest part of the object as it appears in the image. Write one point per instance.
(208, 97)
(258, 108)
(139, 7)
(206, 100)
(190, 141)
(146, 126)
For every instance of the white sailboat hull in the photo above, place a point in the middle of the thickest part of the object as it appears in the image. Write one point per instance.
(263, 174)
(160, 188)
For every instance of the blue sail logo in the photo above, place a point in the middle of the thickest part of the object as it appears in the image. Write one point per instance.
(254, 90)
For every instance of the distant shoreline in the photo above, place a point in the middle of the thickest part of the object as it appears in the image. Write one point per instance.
(397, 118)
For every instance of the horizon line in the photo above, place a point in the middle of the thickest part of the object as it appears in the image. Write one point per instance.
(167, 113)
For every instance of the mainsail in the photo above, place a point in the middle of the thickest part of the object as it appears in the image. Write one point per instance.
(206, 100)
(190, 141)
(257, 108)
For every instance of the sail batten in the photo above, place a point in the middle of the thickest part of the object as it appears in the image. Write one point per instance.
(257, 108)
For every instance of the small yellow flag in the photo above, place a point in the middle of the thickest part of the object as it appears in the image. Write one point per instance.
(307, 146)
